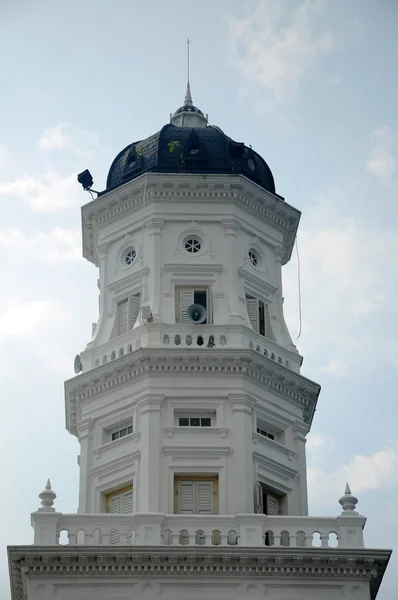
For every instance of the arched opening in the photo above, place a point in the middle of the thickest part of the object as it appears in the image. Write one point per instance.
(64, 537)
(216, 538)
(200, 538)
(316, 539)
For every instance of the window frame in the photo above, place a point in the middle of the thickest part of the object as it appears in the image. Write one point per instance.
(179, 308)
(197, 479)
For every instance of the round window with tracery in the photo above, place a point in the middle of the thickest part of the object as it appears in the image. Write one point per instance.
(254, 257)
(192, 245)
(129, 256)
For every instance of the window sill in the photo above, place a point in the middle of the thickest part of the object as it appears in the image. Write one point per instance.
(221, 431)
(258, 439)
(134, 437)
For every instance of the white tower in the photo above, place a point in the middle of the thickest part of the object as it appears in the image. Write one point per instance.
(190, 410)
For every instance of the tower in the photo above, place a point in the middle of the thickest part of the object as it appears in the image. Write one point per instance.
(190, 408)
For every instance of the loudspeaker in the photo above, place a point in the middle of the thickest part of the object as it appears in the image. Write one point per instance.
(196, 313)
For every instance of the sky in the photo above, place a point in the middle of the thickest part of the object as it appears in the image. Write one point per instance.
(312, 86)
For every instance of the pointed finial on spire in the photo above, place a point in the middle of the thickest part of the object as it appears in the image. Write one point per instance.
(348, 502)
(47, 497)
(188, 97)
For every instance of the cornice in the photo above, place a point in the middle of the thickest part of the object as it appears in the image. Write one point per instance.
(212, 189)
(187, 562)
(274, 466)
(117, 463)
(178, 430)
(272, 444)
(194, 451)
(247, 363)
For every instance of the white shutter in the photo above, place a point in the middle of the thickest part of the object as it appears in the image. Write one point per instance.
(115, 504)
(268, 327)
(123, 316)
(204, 498)
(252, 311)
(259, 498)
(186, 299)
(186, 497)
(128, 502)
(272, 505)
(135, 302)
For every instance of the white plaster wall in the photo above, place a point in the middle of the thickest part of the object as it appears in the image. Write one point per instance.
(203, 588)
(157, 232)
(157, 449)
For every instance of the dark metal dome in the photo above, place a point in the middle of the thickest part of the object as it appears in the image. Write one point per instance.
(189, 150)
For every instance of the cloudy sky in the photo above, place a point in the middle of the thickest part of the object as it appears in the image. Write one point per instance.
(312, 86)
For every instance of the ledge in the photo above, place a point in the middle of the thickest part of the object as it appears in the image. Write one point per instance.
(86, 562)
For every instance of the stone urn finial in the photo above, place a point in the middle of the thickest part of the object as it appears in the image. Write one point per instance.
(47, 497)
(348, 502)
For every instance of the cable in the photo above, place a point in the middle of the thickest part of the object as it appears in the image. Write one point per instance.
(299, 286)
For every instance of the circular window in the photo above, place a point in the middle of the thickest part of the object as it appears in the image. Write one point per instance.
(192, 245)
(251, 164)
(254, 257)
(129, 256)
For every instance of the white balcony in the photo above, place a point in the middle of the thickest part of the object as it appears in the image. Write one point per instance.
(157, 529)
(193, 337)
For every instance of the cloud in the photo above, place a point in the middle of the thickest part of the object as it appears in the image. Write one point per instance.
(316, 442)
(348, 278)
(381, 161)
(47, 193)
(20, 318)
(69, 137)
(363, 473)
(58, 245)
(275, 48)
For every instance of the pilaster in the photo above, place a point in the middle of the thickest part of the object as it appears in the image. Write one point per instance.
(241, 486)
(149, 488)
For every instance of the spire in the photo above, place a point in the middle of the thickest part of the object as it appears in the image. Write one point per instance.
(188, 97)
(188, 115)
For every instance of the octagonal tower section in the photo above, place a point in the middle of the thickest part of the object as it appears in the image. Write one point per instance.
(175, 416)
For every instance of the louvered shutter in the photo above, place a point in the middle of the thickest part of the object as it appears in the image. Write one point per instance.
(128, 502)
(259, 498)
(252, 311)
(115, 504)
(123, 316)
(268, 327)
(204, 498)
(135, 302)
(186, 497)
(186, 299)
(272, 506)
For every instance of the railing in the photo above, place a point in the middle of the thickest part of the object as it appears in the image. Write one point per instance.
(198, 530)
(161, 335)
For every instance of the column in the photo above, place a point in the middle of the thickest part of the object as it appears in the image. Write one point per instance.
(299, 431)
(241, 475)
(149, 476)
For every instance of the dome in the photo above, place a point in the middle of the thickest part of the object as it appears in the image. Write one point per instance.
(189, 145)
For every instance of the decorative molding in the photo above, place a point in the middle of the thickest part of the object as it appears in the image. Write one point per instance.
(188, 268)
(129, 198)
(221, 431)
(195, 451)
(248, 363)
(312, 564)
(128, 281)
(273, 466)
(260, 439)
(117, 463)
(131, 437)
